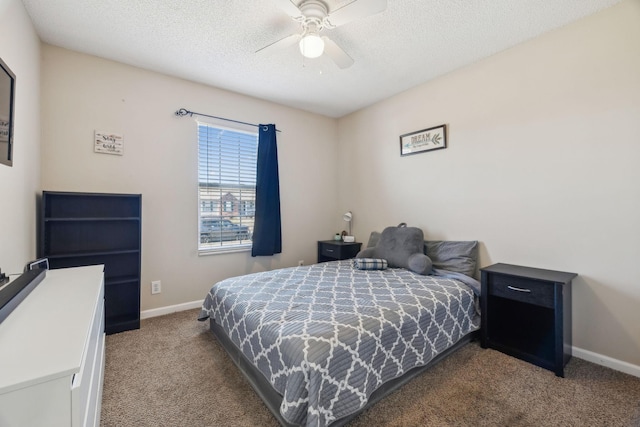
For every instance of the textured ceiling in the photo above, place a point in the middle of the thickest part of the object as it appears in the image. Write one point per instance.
(214, 42)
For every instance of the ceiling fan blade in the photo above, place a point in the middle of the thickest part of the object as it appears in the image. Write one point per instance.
(288, 7)
(336, 53)
(356, 10)
(280, 44)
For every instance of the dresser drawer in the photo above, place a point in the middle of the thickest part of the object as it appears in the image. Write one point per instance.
(522, 289)
(86, 385)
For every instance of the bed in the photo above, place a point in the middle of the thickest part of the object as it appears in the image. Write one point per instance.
(321, 343)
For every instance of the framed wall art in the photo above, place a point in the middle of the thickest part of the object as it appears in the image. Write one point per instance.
(430, 139)
(7, 111)
(108, 143)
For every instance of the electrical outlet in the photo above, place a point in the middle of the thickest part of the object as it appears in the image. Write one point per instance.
(156, 287)
(301, 262)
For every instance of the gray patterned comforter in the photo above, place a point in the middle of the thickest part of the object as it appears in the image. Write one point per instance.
(327, 335)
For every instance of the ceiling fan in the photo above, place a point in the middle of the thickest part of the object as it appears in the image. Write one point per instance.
(314, 16)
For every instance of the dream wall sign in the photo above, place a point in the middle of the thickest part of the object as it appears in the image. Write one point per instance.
(429, 139)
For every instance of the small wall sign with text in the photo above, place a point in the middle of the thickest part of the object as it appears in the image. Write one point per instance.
(108, 143)
(430, 139)
(4, 129)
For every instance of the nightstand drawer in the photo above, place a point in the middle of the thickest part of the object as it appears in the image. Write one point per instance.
(331, 251)
(334, 250)
(523, 290)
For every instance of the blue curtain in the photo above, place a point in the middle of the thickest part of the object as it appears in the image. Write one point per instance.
(267, 229)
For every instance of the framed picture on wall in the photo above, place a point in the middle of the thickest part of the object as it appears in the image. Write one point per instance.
(108, 143)
(430, 139)
(7, 111)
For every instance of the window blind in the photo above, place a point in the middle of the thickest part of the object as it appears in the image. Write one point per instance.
(227, 161)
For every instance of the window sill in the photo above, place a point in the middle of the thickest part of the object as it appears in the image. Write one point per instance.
(224, 250)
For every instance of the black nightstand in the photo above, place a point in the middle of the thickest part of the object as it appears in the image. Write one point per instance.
(526, 313)
(332, 250)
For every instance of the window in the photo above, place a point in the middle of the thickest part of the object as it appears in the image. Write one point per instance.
(227, 161)
(248, 207)
(206, 206)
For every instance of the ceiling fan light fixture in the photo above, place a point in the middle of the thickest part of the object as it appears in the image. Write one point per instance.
(311, 46)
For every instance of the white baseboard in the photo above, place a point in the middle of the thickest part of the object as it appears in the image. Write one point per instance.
(580, 353)
(607, 361)
(155, 312)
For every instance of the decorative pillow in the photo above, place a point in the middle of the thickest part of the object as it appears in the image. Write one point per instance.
(373, 239)
(402, 247)
(420, 263)
(370, 263)
(457, 256)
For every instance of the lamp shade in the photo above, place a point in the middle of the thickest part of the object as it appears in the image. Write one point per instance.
(311, 46)
(348, 217)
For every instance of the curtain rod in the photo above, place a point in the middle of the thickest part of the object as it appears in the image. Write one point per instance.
(183, 112)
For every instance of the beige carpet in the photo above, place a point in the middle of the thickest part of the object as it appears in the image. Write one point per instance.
(172, 372)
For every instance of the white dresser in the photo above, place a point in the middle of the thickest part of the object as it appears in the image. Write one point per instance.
(52, 352)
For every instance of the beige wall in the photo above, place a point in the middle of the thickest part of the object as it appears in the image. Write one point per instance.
(541, 166)
(19, 184)
(82, 93)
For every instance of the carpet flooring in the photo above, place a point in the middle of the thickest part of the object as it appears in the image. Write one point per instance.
(172, 372)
